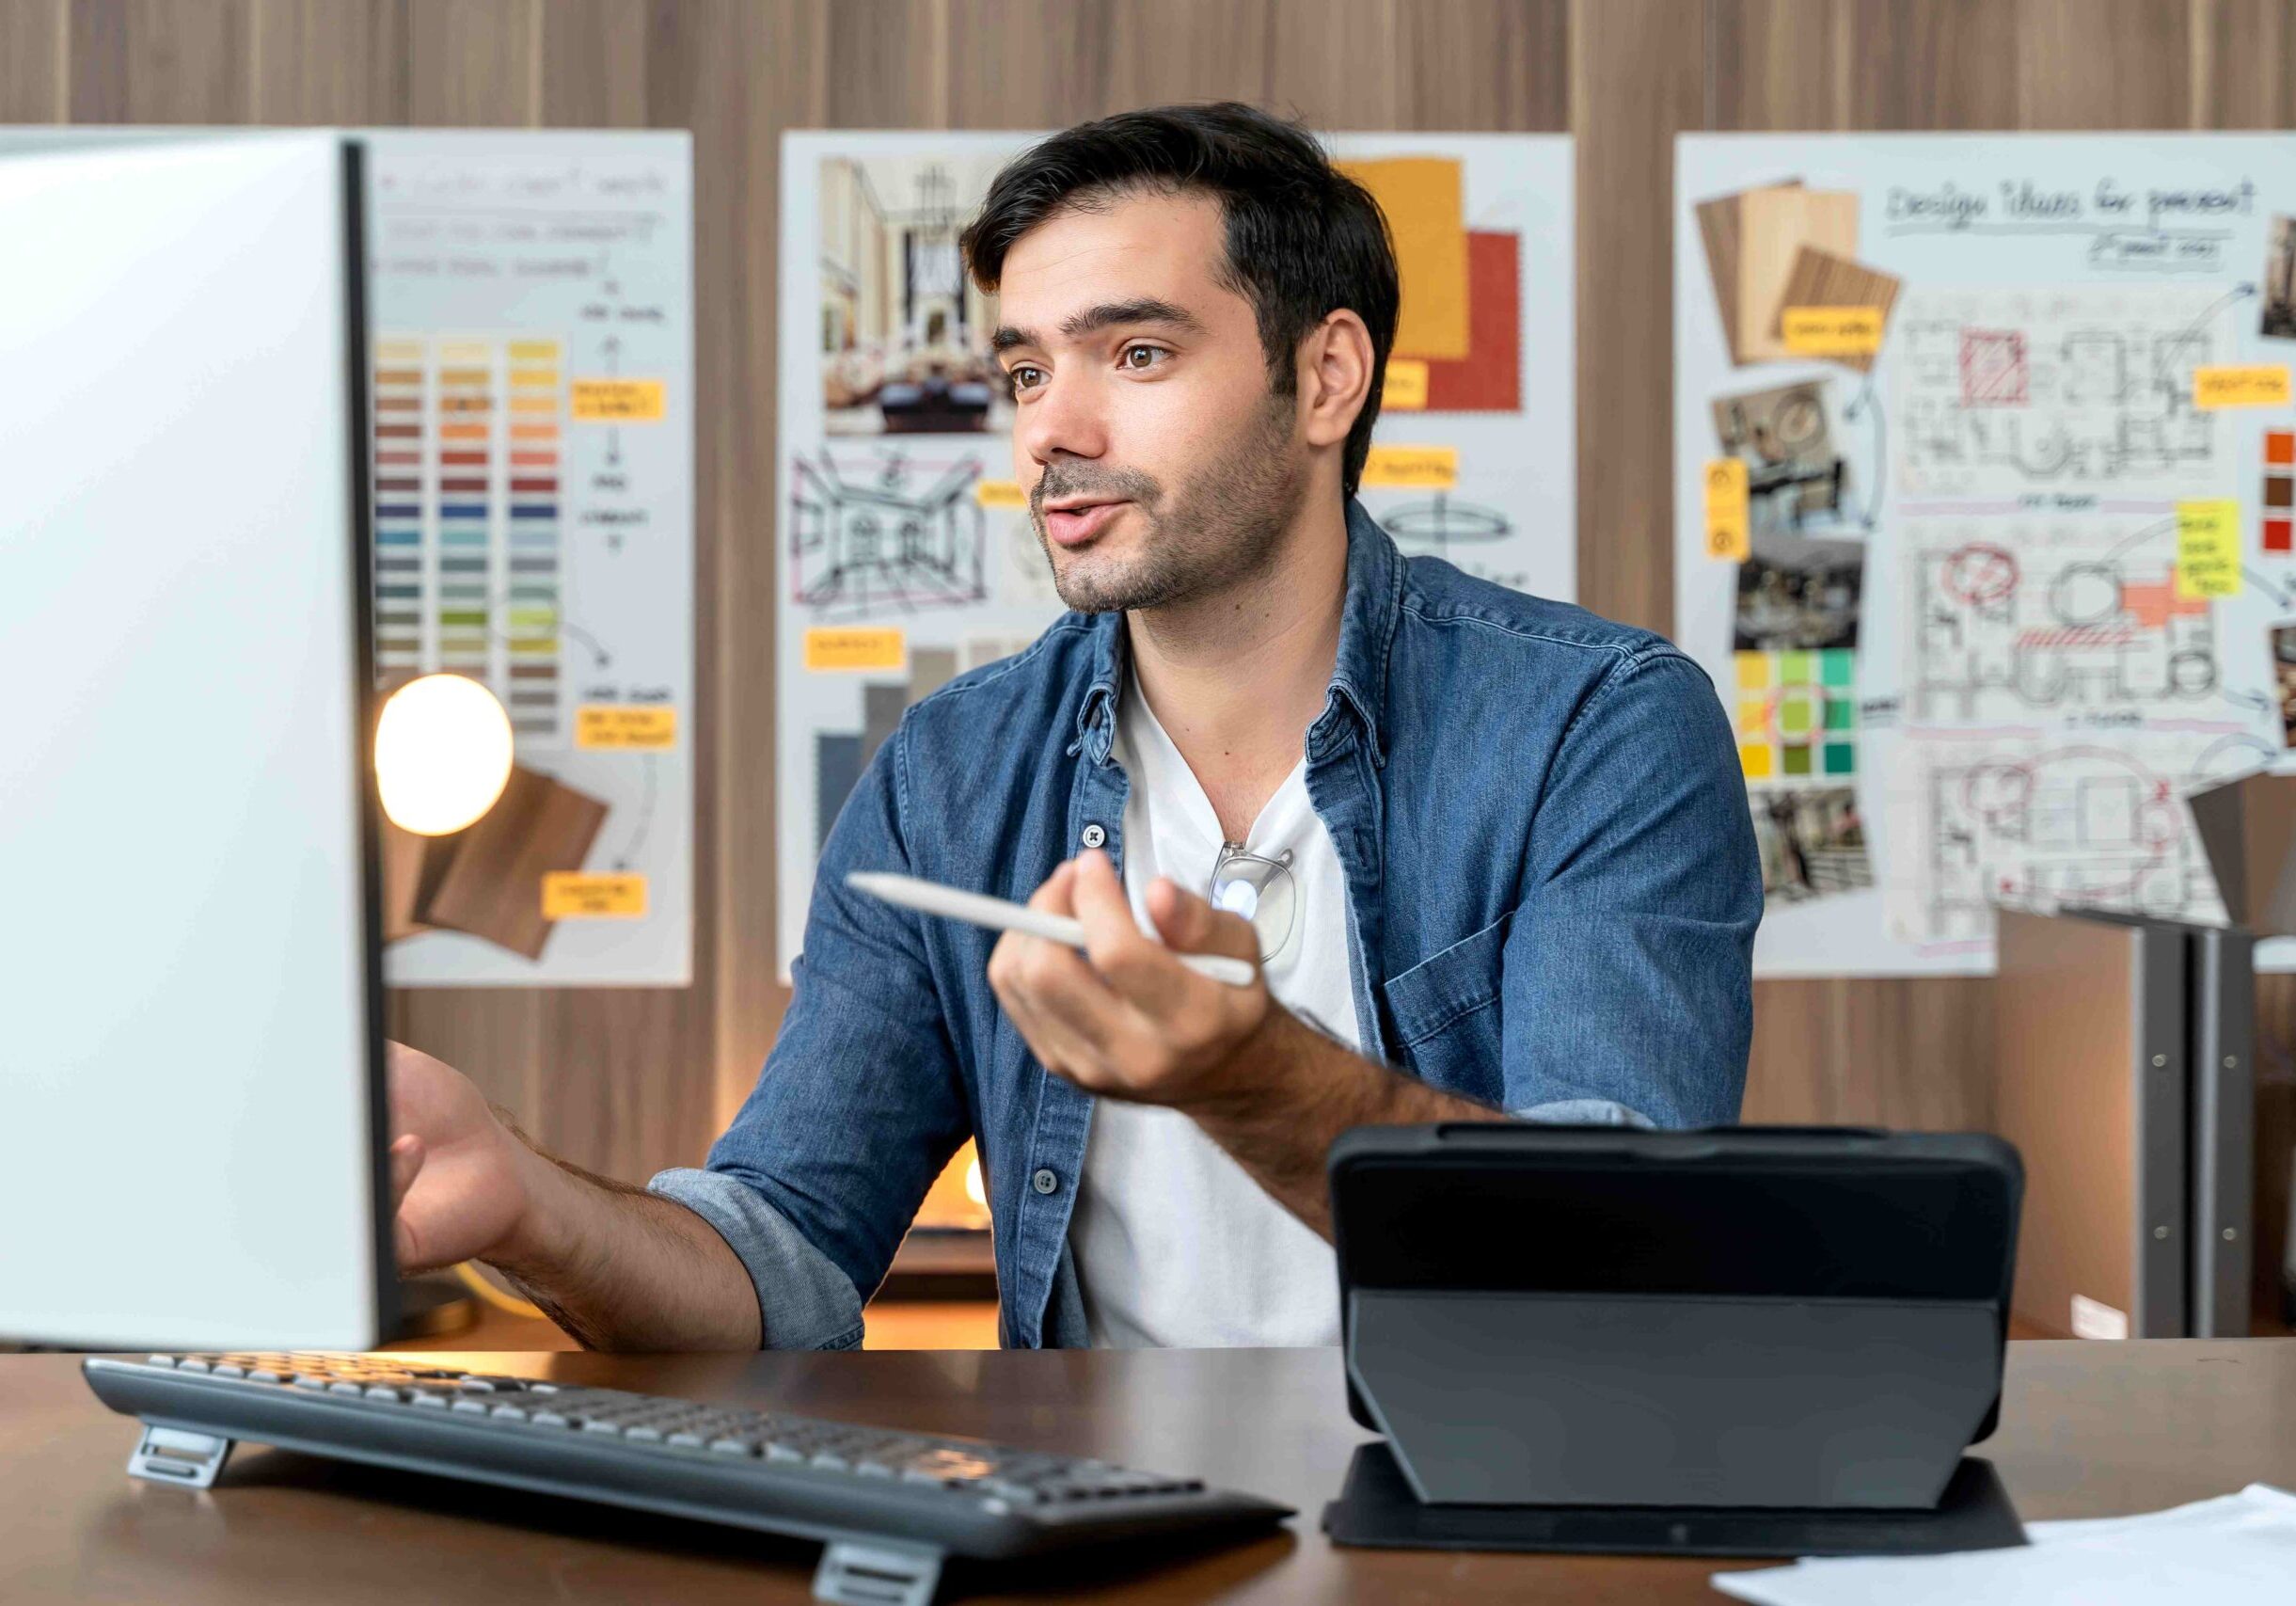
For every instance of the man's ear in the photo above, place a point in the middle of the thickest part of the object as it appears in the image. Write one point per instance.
(1335, 376)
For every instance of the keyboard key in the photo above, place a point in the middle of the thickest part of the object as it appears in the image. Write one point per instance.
(191, 1363)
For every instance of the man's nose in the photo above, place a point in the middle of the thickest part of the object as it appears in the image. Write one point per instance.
(1064, 421)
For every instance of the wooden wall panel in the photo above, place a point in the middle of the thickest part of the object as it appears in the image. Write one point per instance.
(1637, 79)
(324, 61)
(2103, 64)
(34, 41)
(1930, 64)
(624, 1080)
(188, 61)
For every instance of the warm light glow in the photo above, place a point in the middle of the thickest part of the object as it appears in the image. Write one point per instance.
(974, 1190)
(442, 753)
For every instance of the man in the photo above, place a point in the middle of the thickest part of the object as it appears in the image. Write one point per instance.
(1494, 852)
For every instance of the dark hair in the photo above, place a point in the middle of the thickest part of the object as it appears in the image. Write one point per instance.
(1304, 239)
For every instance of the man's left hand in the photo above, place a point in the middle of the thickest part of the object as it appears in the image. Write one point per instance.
(1126, 1019)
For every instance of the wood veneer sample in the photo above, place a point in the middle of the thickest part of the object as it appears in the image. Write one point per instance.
(492, 883)
(405, 857)
(1773, 227)
(1819, 279)
(1719, 230)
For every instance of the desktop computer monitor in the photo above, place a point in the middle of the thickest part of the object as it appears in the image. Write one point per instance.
(191, 1090)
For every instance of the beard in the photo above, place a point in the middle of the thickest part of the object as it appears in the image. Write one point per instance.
(1223, 525)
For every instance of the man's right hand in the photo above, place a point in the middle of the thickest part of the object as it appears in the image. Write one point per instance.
(460, 1183)
(613, 1264)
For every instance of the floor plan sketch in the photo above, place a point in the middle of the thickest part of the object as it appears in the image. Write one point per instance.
(2010, 618)
(2074, 390)
(2046, 821)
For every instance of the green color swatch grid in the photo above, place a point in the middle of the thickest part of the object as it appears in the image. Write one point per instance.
(1798, 715)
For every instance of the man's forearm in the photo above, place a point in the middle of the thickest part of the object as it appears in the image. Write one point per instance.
(621, 1268)
(1304, 1090)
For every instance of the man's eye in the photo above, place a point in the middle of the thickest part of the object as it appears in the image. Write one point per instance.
(1143, 356)
(1026, 376)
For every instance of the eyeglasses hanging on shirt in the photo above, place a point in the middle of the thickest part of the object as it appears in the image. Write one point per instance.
(1261, 889)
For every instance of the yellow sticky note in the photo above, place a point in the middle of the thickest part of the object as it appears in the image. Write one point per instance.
(1404, 389)
(1425, 200)
(643, 726)
(2259, 385)
(1412, 467)
(572, 895)
(619, 401)
(2207, 549)
(1000, 493)
(1727, 535)
(855, 646)
(1832, 331)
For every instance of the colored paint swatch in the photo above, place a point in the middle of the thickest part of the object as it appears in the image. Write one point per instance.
(533, 537)
(2279, 500)
(1489, 380)
(397, 478)
(1424, 198)
(1796, 714)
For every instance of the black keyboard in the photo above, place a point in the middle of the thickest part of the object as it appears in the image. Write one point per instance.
(889, 1504)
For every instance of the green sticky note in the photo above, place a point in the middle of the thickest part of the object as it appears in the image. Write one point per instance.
(1794, 668)
(1794, 717)
(1841, 713)
(1797, 761)
(1838, 666)
(1841, 758)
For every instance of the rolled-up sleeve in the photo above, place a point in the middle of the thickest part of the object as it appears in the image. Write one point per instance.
(859, 1106)
(1628, 969)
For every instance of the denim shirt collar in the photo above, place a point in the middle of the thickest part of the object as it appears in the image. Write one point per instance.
(1359, 674)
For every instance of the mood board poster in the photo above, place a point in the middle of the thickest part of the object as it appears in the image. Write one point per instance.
(907, 555)
(1985, 456)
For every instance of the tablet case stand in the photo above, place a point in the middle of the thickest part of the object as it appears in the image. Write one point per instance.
(1621, 1423)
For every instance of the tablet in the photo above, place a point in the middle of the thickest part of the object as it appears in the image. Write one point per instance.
(1734, 1317)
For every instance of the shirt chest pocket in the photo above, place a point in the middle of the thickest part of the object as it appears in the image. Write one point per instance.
(1445, 1015)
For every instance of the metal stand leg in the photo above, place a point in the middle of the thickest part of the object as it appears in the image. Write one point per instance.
(858, 1574)
(178, 1456)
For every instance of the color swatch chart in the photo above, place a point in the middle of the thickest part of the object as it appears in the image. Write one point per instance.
(469, 437)
(1798, 713)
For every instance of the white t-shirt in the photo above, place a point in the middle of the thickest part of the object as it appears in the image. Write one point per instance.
(1175, 1242)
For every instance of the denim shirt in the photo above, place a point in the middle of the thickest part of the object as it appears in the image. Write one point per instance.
(1552, 887)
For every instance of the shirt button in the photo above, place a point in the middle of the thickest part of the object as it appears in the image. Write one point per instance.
(1044, 1180)
(1094, 836)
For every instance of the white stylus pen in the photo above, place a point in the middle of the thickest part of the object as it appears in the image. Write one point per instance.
(996, 914)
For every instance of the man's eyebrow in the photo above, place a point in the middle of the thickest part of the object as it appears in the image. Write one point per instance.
(1145, 310)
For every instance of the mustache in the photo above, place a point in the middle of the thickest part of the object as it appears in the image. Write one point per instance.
(1080, 479)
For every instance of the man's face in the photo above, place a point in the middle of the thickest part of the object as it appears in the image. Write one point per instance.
(1159, 465)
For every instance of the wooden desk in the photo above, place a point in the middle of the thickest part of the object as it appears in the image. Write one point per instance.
(2088, 1429)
